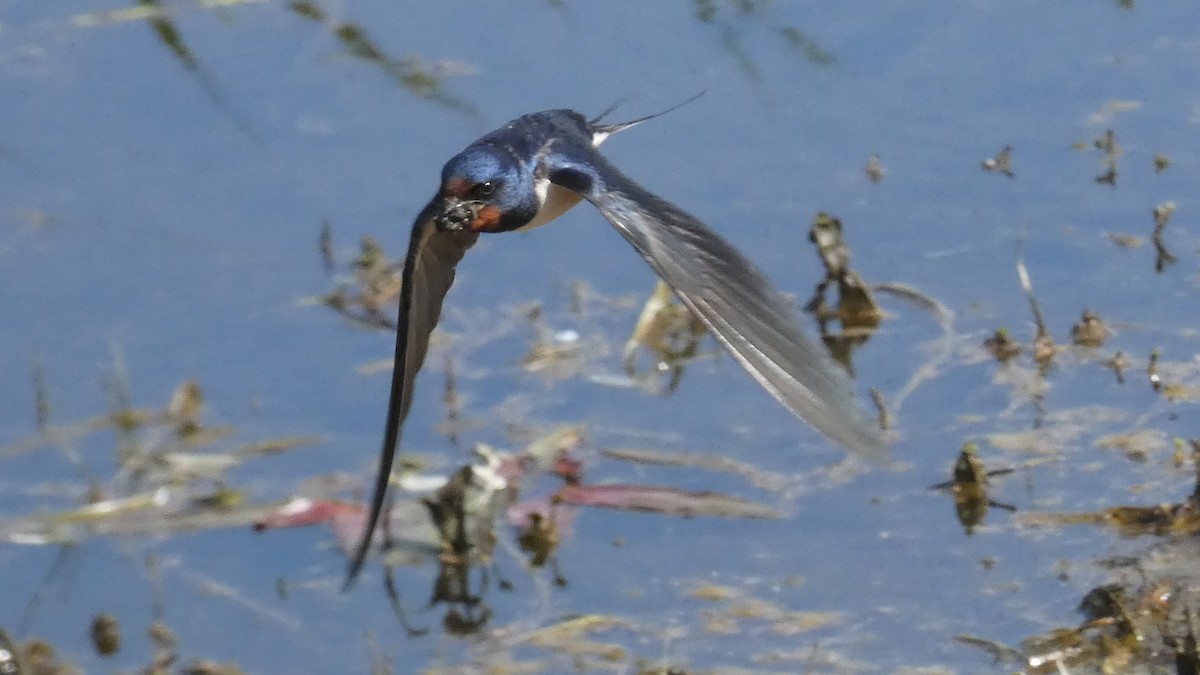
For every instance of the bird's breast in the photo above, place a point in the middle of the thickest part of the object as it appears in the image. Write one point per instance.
(555, 201)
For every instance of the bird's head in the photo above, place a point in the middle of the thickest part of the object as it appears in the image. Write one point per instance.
(486, 189)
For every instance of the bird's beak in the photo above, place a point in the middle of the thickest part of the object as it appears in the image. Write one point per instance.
(457, 214)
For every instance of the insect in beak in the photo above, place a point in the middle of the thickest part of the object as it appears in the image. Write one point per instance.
(457, 214)
(475, 215)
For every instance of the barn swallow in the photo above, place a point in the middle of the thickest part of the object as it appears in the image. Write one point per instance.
(533, 170)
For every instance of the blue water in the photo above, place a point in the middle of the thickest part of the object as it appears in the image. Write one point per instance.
(171, 205)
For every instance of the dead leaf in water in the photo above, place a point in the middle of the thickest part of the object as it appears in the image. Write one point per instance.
(665, 500)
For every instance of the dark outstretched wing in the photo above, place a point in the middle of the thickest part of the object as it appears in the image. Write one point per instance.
(754, 321)
(426, 278)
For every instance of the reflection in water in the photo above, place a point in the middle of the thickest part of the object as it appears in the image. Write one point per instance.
(1144, 619)
(1002, 346)
(969, 487)
(368, 297)
(452, 401)
(106, 634)
(1152, 373)
(809, 48)
(1044, 348)
(860, 315)
(1162, 257)
(1090, 331)
(31, 656)
(393, 594)
(170, 474)
(1001, 163)
(169, 35)
(1108, 145)
(671, 333)
(37, 657)
(1179, 518)
(409, 72)
(325, 246)
(856, 308)
(145, 12)
(456, 520)
(1147, 617)
(732, 40)
(874, 169)
(555, 353)
(466, 612)
(539, 538)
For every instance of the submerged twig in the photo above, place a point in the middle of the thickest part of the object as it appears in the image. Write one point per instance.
(932, 367)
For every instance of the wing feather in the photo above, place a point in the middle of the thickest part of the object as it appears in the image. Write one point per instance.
(428, 273)
(753, 321)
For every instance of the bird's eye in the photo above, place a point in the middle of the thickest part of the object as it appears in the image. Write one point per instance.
(484, 189)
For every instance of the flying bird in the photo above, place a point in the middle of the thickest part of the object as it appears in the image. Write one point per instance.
(535, 168)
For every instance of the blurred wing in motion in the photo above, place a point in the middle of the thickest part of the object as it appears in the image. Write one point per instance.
(428, 273)
(755, 322)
